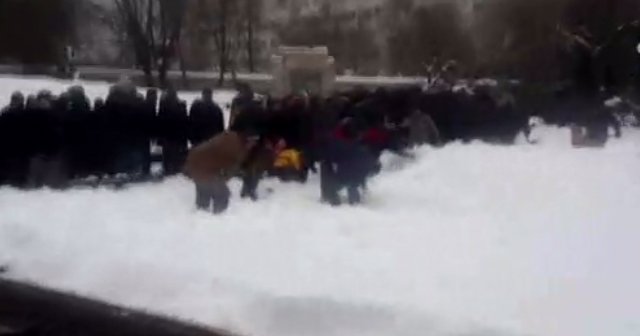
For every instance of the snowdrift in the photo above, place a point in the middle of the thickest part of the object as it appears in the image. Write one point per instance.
(464, 240)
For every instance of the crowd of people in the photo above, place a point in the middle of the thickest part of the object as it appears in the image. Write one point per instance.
(48, 140)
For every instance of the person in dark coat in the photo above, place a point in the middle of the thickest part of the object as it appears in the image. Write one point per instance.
(16, 103)
(148, 128)
(10, 129)
(78, 132)
(243, 101)
(123, 111)
(248, 115)
(206, 119)
(101, 148)
(345, 164)
(49, 153)
(250, 119)
(172, 122)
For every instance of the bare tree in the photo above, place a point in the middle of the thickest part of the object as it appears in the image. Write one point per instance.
(428, 33)
(222, 10)
(51, 26)
(252, 21)
(153, 28)
(215, 28)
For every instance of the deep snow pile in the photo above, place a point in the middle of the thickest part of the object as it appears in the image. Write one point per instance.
(465, 240)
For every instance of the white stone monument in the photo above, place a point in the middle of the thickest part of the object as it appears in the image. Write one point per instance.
(296, 69)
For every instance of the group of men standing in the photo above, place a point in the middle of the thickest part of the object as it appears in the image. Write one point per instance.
(48, 140)
(341, 138)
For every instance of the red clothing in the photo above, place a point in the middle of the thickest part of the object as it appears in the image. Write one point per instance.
(340, 134)
(377, 137)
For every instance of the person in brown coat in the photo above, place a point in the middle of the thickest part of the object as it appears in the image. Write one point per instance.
(211, 164)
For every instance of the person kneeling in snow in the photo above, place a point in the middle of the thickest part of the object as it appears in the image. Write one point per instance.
(211, 164)
(288, 164)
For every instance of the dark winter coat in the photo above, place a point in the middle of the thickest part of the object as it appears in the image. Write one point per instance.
(206, 120)
(250, 119)
(240, 104)
(353, 162)
(172, 121)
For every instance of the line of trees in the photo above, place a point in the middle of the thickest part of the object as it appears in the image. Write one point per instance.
(160, 32)
(34, 32)
(527, 39)
(153, 31)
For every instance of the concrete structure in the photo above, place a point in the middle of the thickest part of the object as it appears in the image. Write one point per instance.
(302, 68)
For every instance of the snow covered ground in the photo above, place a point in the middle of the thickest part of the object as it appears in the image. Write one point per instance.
(466, 240)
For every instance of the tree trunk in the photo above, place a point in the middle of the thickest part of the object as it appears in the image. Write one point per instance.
(148, 75)
(222, 66)
(234, 73)
(252, 66)
(223, 42)
(183, 67)
(250, 32)
(162, 74)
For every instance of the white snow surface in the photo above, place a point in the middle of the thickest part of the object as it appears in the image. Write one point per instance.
(464, 240)
(613, 101)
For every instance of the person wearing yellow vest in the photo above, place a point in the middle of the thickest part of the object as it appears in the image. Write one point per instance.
(288, 159)
(288, 163)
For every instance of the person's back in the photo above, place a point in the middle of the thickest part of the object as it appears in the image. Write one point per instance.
(172, 118)
(9, 121)
(250, 119)
(101, 154)
(218, 157)
(205, 118)
(173, 134)
(80, 132)
(242, 102)
(211, 164)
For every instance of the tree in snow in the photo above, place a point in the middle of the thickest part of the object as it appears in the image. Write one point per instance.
(153, 29)
(349, 37)
(226, 30)
(36, 31)
(427, 33)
